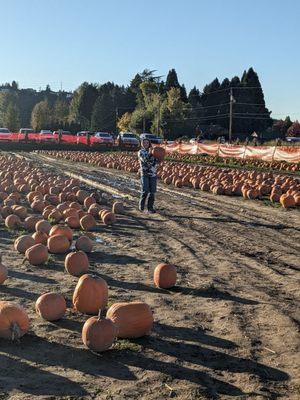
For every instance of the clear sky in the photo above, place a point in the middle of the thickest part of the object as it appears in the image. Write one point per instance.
(72, 41)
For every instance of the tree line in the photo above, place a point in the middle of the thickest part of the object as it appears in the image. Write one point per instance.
(147, 104)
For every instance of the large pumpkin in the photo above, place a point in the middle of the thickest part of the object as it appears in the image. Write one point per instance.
(98, 334)
(132, 320)
(51, 306)
(90, 294)
(58, 244)
(22, 243)
(62, 230)
(37, 254)
(14, 321)
(84, 243)
(77, 263)
(165, 276)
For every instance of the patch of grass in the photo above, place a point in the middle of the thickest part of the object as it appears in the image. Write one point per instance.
(125, 344)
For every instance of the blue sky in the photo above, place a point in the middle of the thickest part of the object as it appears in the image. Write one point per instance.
(72, 41)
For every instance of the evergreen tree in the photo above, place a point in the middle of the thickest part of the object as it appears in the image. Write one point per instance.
(194, 97)
(172, 80)
(294, 130)
(103, 115)
(11, 117)
(81, 107)
(42, 116)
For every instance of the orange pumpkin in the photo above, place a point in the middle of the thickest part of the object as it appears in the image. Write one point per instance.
(43, 226)
(77, 263)
(98, 334)
(165, 276)
(84, 243)
(109, 218)
(158, 152)
(58, 244)
(40, 237)
(62, 230)
(90, 294)
(132, 320)
(87, 222)
(51, 306)
(22, 243)
(12, 221)
(14, 321)
(30, 222)
(55, 216)
(73, 222)
(37, 254)
(287, 201)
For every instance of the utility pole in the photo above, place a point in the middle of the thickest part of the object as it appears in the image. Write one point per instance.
(230, 114)
(117, 117)
(158, 118)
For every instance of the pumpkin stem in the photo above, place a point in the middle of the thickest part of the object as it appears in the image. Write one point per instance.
(99, 314)
(15, 332)
(24, 259)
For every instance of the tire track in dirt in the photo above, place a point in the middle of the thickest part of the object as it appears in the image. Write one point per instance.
(230, 300)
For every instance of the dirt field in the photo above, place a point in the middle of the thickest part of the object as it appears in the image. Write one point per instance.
(229, 330)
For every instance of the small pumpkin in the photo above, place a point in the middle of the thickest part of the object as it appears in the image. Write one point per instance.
(30, 222)
(109, 218)
(287, 201)
(90, 294)
(118, 207)
(165, 276)
(51, 306)
(37, 254)
(73, 222)
(84, 243)
(98, 333)
(62, 230)
(22, 243)
(58, 244)
(43, 226)
(87, 222)
(40, 237)
(12, 221)
(132, 320)
(77, 263)
(14, 321)
(55, 216)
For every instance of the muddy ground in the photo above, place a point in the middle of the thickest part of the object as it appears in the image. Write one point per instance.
(228, 330)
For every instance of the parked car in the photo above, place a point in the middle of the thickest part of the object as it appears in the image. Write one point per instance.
(128, 140)
(46, 136)
(83, 137)
(292, 139)
(67, 133)
(26, 130)
(83, 133)
(103, 138)
(153, 139)
(5, 133)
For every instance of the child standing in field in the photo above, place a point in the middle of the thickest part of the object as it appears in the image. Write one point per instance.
(148, 164)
